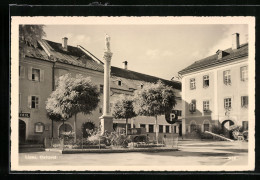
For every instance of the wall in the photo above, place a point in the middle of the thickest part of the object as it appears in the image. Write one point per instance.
(215, 93)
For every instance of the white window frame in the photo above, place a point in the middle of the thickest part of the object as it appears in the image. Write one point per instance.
(227, 77)
(152, 128)
(33, 77)
(227, 103)
(244, 73)
(192, 83)
(206, 105)
(243, 105)
(36, 102)
(205, 78)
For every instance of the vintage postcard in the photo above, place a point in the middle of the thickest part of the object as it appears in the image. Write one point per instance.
(132, 94)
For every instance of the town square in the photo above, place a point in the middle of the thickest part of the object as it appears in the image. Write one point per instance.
(135, 95)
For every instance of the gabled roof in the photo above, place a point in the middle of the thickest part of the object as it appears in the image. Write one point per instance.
(52, 51)
(231, 55)
(124, 73)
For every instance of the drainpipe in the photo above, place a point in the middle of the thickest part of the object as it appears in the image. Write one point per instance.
(53, 88)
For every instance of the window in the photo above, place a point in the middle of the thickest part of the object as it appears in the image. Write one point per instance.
(193, 127)
(206, 127)
(192, 83)
(39, 127)
(227, 77)
(100, 110)
(193, 106)
(150, 128)
(244, 101)
(205, 106)
(227, 103)
(244, 73)
(205, 81)
(101, 88)
(36, 74)
(21, 71)
(20, 100)
(179, 112)
(142, 86)
(160, 128)
(167, 129)
(34, 102)
(119, 83)
(142, 125)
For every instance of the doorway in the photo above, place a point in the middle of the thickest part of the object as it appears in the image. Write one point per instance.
(226, 128)
(22, 131)
(180, 129)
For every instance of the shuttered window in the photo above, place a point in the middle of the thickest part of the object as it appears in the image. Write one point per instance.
(35, 74)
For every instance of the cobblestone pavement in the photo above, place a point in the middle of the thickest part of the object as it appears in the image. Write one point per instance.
(191, 153)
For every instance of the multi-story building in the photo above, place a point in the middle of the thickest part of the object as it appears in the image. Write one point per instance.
(39, 70)
(215, 90)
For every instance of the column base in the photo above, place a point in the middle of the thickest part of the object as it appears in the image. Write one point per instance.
(106, 122)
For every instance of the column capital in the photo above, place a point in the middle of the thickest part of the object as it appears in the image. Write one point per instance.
(107, 55)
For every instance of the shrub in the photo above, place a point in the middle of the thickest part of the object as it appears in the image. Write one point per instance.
(217, 129)
(87, 129)
(206, 136)
(117, 139)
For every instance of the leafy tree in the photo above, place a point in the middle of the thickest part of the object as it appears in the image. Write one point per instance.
(73, 95)
(29, 35)
(154, 100)
(124, 109)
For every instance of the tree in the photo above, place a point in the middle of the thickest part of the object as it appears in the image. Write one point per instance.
(73, 96)
(124, 109)
(29, 35)
(154, 100)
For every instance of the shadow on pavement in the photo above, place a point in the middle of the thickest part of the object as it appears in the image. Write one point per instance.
(187, 153)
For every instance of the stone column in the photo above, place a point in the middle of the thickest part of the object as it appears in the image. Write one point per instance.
(107, 119)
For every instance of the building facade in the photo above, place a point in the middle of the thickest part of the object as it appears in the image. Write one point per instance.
(215, 90)
(39, 70)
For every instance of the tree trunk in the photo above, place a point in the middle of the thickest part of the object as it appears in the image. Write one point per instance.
(156, 129)
(126, 126)
(75, 128)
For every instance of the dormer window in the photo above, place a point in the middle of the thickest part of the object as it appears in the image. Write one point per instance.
(221, 54)
(119, 83)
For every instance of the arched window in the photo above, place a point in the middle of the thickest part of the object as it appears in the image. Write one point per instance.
(193, 127)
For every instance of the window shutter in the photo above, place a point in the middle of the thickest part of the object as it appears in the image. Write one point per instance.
(41, 75)
(30, 73)
(29, 102)
(22, 72)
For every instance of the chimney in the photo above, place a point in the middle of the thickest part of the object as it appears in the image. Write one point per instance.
(125, 65)
(65, 43)
(235, 41)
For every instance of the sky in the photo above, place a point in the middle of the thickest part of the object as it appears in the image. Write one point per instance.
(157, 50)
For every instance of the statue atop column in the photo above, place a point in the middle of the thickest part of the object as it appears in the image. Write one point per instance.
(107, 43)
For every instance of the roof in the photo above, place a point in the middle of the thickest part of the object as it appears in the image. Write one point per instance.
(52, 51)
(128, 74)
(231, 55)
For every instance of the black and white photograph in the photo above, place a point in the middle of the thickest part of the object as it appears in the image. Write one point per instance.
(132, 93)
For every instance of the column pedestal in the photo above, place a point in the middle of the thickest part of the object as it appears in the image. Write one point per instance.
(106, 123)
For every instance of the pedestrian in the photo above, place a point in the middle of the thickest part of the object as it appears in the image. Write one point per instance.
(164, 140)
(147, 139)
